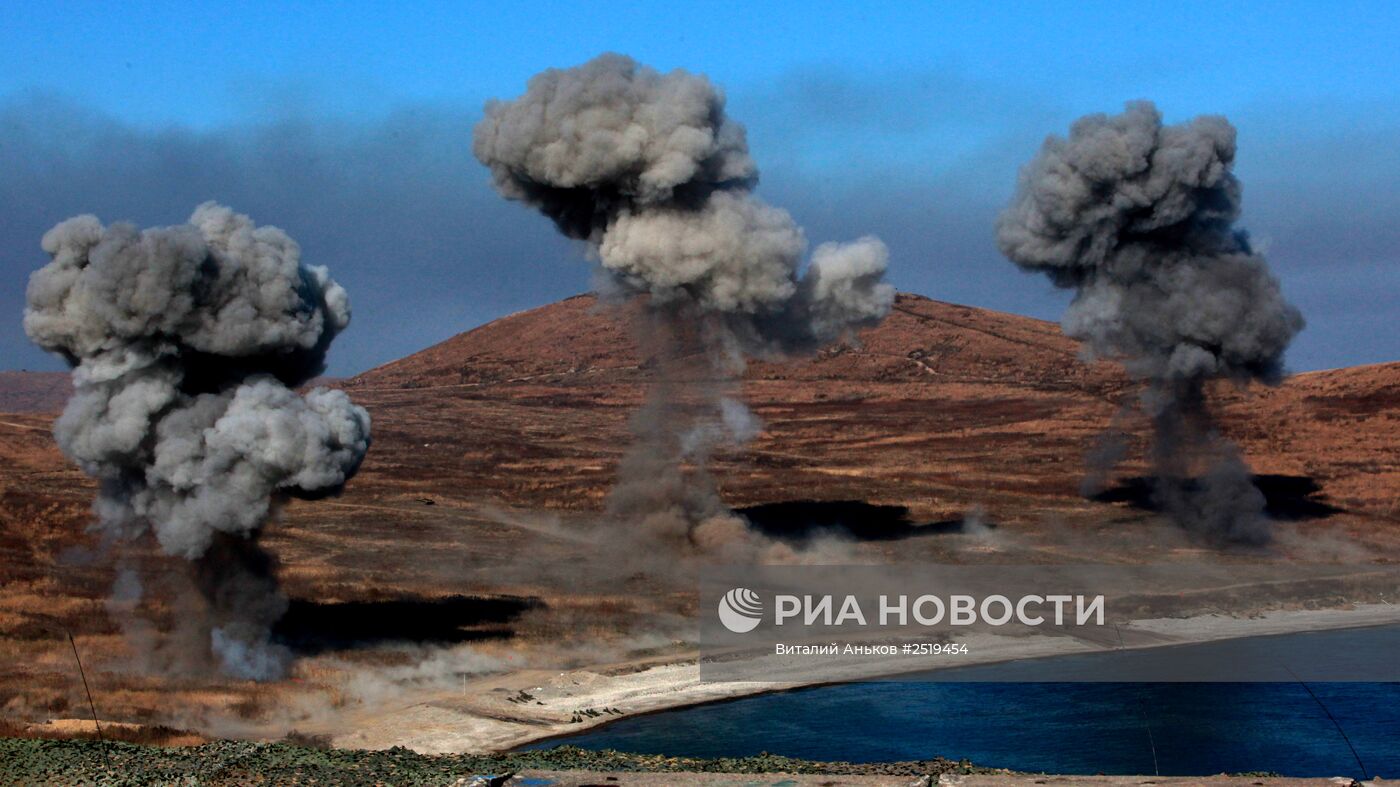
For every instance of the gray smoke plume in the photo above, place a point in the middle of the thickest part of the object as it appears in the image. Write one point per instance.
(185, 344)
(647, 170)
(1138, 219)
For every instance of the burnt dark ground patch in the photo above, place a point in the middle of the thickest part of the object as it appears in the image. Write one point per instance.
(311, 627)
(800, 520)
(1286, 497)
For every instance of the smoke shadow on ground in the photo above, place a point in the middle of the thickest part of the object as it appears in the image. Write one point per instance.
(1286, 497)
(312, 627)
(799, 520)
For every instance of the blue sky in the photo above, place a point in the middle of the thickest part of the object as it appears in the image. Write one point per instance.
(349, 125)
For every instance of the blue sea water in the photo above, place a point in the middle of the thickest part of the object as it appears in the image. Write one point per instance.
(1072, 728)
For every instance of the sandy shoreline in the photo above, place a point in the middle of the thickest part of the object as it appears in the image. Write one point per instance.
(479, 717)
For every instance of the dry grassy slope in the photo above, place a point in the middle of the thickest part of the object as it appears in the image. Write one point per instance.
(1340, 427)
(574, 336)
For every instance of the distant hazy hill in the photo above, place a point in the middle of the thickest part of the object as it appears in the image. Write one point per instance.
(33, 392)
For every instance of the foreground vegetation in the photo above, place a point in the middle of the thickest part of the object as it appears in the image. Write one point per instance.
(80, 761)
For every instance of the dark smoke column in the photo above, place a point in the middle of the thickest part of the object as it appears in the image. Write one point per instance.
(1138, 219)
(186, 343)
(647, 170)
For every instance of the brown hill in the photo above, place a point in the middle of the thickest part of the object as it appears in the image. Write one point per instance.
(579, 341)
(939, 408)
(921, 411)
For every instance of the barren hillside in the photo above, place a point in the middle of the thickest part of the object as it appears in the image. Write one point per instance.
(939, 408)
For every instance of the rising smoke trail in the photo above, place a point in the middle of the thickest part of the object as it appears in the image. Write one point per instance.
(647, 170)
(1138, 219)
(185, 343)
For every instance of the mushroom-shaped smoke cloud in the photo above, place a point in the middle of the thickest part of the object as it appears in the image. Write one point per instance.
(1138, 219)
(646, 168)
(185, 343)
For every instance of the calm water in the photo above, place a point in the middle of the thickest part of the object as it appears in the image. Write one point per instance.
(1055, 727)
